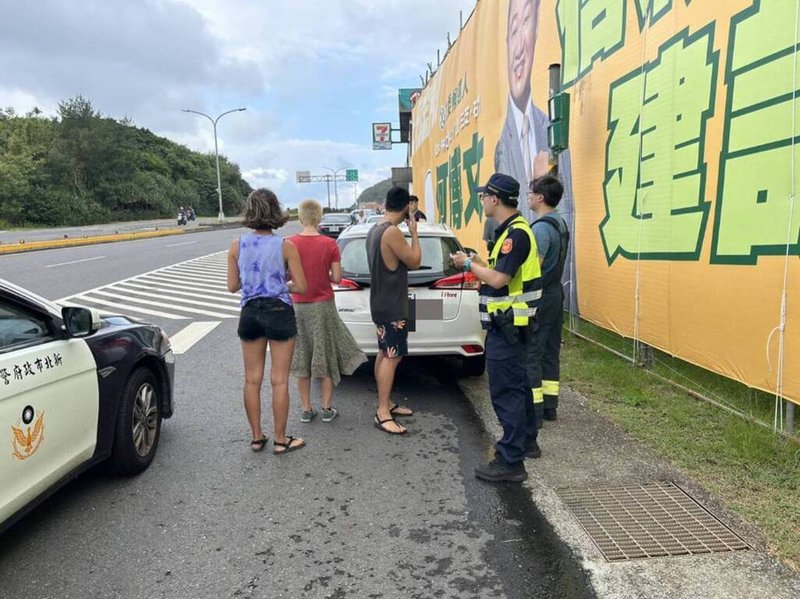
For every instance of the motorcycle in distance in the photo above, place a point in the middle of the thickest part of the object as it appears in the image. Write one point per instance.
(181, 218)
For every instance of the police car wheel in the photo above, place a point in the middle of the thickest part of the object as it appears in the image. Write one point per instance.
(138, 424)
(474, 366)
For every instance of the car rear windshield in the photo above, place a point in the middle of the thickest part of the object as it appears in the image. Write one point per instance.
(336, 218)
(435, 259)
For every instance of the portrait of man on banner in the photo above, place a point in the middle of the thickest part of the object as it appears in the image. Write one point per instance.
(522, 150)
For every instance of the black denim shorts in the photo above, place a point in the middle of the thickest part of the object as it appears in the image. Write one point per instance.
(267, 317)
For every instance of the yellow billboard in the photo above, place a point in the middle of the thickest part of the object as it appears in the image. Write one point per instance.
(681, 174)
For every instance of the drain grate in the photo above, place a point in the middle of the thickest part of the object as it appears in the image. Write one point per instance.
(652, 520)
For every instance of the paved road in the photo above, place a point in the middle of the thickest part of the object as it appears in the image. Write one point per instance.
(357, 513)
(15, 235)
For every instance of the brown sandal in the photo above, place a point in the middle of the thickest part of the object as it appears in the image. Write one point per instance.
(287, 447)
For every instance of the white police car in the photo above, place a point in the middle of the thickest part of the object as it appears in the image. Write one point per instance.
(75, 389)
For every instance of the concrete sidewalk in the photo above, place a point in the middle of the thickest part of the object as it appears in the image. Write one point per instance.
(583, 449)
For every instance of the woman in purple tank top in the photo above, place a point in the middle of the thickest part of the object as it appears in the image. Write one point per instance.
(267, 269)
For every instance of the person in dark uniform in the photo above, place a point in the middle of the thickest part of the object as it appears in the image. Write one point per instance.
(552, 242)
(509, 297)
(413, 209)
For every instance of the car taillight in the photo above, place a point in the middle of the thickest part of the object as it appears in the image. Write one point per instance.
(347, 285)
(472, 349)
(461, 280)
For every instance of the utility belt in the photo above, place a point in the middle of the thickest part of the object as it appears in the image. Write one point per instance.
(503, 322)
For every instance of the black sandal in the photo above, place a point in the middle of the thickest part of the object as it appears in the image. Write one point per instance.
(258, 444)
(287, 447)
(395, 414)
(379, 425)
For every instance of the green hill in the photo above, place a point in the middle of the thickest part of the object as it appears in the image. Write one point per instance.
(83, 168)
(375, 194)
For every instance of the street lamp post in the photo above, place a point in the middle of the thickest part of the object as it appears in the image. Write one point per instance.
(214, 122)
(335, 189)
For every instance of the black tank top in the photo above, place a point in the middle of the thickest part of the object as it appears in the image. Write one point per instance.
(388, 299)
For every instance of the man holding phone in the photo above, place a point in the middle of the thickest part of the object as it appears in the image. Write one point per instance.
(390, 257)
(509, 297)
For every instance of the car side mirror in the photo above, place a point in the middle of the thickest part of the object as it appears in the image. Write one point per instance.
(79, 321)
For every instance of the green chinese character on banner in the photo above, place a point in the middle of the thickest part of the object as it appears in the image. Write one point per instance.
(472, 166)
(655, 175)
(456, 202)
(441, 191)
(589, 29)
(650, 11)
(759, 155)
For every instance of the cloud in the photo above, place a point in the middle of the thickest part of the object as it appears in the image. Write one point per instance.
(313, 75)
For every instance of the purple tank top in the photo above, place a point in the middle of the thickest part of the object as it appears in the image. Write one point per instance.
(262, 269)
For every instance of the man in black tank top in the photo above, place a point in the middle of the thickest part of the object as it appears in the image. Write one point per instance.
(390, 257)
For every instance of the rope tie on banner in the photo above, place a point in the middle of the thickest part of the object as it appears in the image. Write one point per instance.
(640, 197)
(781, 328)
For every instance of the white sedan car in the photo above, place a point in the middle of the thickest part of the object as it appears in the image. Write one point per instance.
(443, 302)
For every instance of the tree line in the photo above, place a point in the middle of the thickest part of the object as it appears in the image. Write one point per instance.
(81, 167)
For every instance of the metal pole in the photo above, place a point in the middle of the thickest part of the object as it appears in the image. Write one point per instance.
(214, 122)
(221, 215)
(335, 191)
(328, 183)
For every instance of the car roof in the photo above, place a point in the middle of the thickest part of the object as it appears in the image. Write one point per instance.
(28, 296)
(423, 228)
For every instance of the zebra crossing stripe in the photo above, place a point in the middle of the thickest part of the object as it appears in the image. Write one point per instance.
(208, 291)
(124, 289)
(183, 340)
(173, 292)
(161, 304)
(124, 307)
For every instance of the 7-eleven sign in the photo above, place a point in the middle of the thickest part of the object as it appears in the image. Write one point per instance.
(381, 136)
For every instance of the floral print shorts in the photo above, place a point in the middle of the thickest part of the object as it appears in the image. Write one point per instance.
(392, 338)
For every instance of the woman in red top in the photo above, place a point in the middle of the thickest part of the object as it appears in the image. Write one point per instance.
(325, 348)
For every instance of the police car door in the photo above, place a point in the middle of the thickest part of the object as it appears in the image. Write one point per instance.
(48, 403)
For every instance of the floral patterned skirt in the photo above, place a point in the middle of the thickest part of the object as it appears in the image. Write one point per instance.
(325, 347)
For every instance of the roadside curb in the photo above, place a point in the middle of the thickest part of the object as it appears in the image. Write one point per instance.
(584, 449)
(16, 248)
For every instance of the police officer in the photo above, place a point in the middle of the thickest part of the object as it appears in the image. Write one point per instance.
(552, 242)
(509, 297)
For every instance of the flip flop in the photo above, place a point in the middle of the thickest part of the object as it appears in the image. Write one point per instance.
(395, 414)
(287, 447)
(379, 425)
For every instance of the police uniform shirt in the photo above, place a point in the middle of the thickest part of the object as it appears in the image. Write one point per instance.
(512, 255)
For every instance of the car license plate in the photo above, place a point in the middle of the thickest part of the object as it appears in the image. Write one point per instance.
(334, 228)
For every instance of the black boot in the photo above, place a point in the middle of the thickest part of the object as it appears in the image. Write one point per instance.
(533, 450)
(550, 414)
(497, 471)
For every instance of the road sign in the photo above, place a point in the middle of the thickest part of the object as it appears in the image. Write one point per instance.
(303, 176)
(351, 174)
(381, 136)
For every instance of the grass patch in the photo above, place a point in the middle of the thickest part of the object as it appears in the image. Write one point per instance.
(753, 471)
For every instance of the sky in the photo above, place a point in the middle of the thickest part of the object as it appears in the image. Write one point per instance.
(313, 74)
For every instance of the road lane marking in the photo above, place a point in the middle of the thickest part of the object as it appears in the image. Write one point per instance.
(184, 339)
(203, 278)
(174, 292)
(161, 296)
(122, 308)
(174, 245)
(74, 262)
(208, 293)
(175, 279)
(161, 304)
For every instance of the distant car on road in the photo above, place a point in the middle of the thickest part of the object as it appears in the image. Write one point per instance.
(334, 223)
(443, 302)
(373, 218)
(76, 388)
